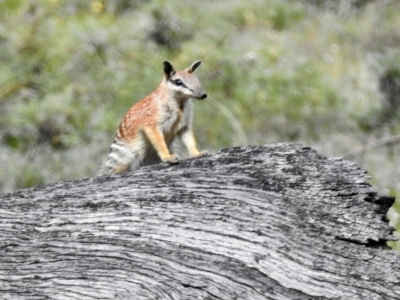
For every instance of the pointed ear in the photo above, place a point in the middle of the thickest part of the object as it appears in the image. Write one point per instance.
(168, 69)
(194, 66)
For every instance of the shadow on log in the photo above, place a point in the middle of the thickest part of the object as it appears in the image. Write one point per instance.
(267, 222)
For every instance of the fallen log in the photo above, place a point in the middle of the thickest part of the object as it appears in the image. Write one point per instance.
(265, 222)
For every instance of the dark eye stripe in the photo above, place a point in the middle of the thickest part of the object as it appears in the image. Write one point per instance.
(178, 82)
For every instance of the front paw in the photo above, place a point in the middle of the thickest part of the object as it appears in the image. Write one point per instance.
(173, 159)
(202, 153)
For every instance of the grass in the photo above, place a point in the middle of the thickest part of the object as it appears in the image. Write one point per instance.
(275, 71)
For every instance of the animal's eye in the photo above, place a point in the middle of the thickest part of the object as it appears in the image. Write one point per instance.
(178, 82)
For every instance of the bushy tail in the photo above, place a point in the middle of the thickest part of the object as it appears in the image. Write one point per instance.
(105, 170)
(120, 158)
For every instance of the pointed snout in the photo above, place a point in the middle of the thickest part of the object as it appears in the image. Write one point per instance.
(198, 92)
(203, 96)
(200, 95)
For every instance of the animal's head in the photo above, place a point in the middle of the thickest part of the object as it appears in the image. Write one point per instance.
(184, 83)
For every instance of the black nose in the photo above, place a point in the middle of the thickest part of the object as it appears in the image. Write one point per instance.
(203, 96)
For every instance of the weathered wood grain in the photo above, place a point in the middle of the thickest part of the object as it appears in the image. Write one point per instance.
(267, 222)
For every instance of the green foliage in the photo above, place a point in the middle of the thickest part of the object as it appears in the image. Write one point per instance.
(31, 178)
(273, 14)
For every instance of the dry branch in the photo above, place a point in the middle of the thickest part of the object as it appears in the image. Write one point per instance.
(268, 222)
(386, 141)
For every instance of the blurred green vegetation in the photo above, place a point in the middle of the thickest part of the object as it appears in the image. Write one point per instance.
(323, 73)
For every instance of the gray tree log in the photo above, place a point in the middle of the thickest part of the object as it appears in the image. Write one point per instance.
(267, 222)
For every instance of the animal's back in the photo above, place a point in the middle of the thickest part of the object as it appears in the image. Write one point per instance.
(130, 149)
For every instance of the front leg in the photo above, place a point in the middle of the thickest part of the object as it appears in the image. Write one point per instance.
(156, 138)
(189, 141)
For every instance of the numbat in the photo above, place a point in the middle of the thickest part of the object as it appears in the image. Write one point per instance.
(149, 127)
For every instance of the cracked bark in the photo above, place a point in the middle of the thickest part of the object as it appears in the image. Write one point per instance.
(267, 222)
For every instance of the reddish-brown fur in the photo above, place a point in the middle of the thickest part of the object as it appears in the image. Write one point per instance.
(150, 126)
